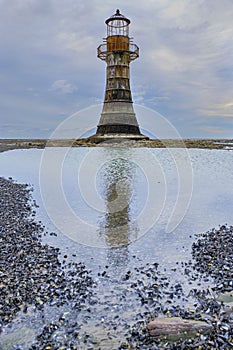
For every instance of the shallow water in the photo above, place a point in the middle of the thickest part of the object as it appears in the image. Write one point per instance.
(122, 208)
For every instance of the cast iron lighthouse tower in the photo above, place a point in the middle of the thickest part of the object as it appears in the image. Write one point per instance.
(118, 50)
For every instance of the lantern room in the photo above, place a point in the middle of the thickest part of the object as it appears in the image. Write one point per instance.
(117, 25)
(118, 39)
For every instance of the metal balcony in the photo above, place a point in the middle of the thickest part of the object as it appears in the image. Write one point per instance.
(132, 49)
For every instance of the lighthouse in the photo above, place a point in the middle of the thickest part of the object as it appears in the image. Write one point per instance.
(118, 118)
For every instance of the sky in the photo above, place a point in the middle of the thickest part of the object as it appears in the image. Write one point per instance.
(49, 67)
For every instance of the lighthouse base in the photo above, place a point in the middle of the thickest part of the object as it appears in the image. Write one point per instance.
(118, 121)
(117, 129)
(117, 132)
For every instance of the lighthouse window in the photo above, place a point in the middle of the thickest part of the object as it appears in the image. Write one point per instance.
(118, 59)
(110, 83)
(111, 72)
(111, 59)
(123, 83)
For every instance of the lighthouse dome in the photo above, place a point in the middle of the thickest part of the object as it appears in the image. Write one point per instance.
(118, 17)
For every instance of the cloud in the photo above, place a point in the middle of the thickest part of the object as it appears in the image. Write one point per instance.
(188, 45)
(63, 86)
(215, 130)
(73, 41)
(184, 68)
(219, 110)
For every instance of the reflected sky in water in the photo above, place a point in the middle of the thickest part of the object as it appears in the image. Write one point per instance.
(110, 208)
(115, 195)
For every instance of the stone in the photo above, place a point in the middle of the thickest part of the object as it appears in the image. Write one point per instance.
(175, 328)
(226, 297)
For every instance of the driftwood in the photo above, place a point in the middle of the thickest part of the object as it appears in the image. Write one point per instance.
(174, 328)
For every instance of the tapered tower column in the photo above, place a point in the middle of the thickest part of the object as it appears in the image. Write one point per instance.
(118, 51)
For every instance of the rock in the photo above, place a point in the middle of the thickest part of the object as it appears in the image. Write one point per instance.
(226, 297)
(18, 339)
(229, 307)
(175, 328)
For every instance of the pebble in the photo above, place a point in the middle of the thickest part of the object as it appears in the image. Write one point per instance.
(31, 274)
(212, 256)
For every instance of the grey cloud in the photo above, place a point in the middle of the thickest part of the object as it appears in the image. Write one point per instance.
(63, 86)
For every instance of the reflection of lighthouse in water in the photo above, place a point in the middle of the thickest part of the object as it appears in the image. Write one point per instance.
(117, 226)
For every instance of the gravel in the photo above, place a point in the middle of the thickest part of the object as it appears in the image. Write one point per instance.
(33, 279)
(212, 254)
(30, 272)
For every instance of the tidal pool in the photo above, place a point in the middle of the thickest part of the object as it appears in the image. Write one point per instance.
(119, 210)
